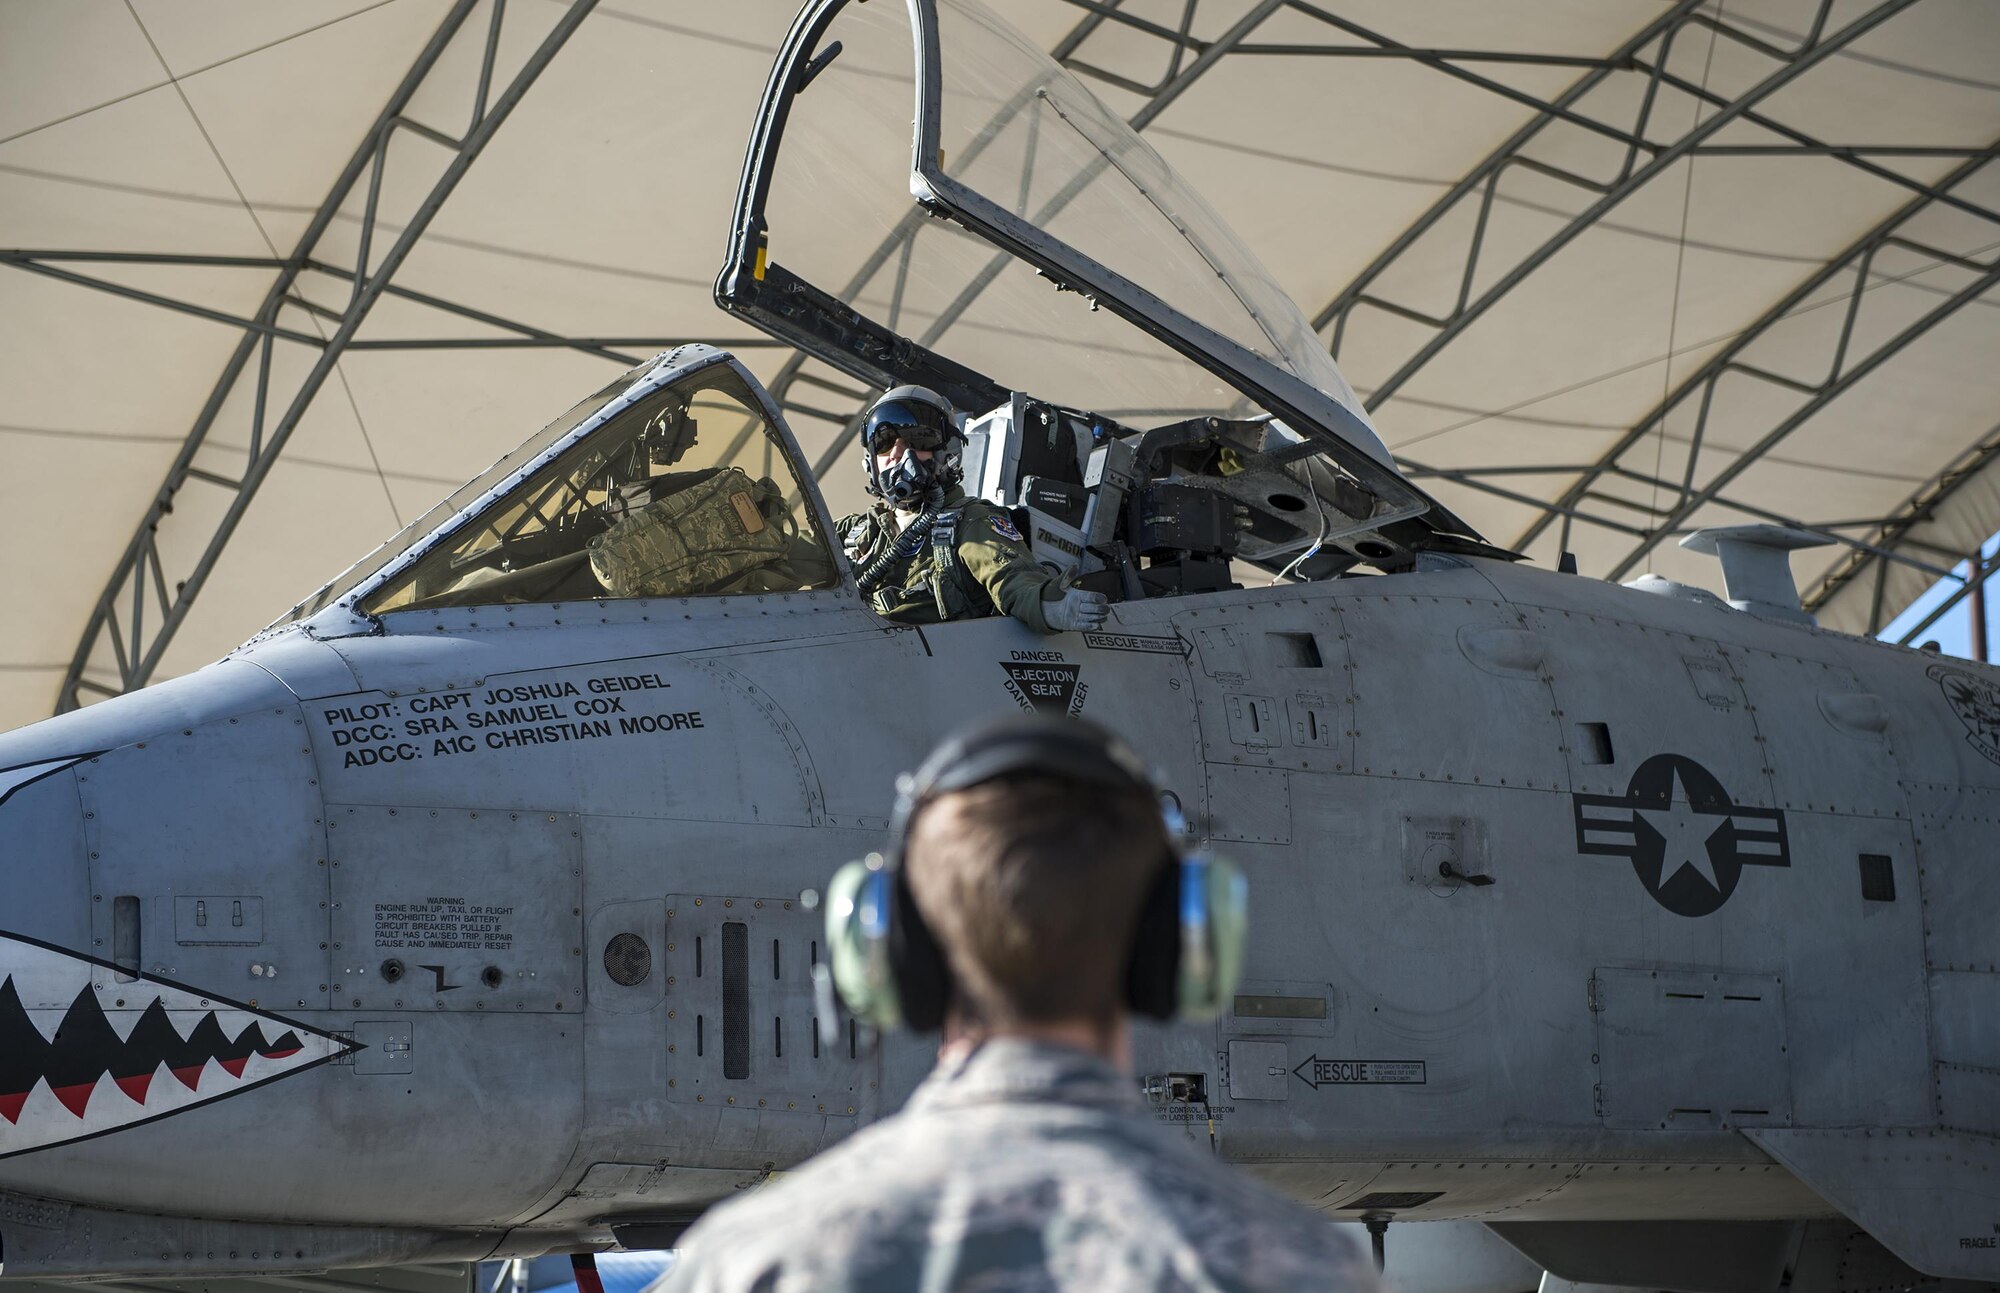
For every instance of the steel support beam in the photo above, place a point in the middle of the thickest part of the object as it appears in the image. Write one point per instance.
(142, 605)
(1973, 581)
(524, 335)
(1631, 177)
(1843, 377)
(1895, 532)
(1706, 384)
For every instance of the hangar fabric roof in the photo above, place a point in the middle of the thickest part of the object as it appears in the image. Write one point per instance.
(1604, 270)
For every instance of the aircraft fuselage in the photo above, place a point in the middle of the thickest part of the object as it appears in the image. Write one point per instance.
(1569, 902)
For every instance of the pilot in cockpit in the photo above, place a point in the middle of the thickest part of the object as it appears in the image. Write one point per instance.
(925, 553)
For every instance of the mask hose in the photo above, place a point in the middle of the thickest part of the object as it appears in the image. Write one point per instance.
(906, 546)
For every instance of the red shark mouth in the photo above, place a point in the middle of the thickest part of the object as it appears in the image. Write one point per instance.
(86, 1047)
(185, 1048)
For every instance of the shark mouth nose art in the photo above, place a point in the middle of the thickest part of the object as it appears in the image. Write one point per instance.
(73, 1071)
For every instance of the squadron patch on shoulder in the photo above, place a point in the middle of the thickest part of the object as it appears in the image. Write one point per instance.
(1006, 529)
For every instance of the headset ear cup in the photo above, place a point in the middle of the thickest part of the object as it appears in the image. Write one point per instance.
(1152, 975)
(916, 964)
(857, 956)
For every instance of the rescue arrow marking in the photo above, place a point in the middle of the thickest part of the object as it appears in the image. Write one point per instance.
(1316, 1072)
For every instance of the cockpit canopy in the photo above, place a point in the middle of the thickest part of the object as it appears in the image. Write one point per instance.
(1049, 251)
(673, 481)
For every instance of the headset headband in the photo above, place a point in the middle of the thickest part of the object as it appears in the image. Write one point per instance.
(1188, 945)
(1067, 749)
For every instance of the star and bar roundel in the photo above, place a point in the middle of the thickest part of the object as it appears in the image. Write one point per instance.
(71, 1070)
(1687, 841)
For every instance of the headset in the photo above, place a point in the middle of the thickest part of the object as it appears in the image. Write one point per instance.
(1187, 950)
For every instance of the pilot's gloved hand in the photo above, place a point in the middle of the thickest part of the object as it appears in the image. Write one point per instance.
(1079, 608)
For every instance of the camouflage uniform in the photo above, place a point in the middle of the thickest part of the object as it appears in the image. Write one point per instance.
(991, 570)
(1024, 1166)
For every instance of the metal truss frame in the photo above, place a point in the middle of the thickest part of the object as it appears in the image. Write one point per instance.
(523, 336)
(1970, 583)
(140, 610)
(1657, 37)
(1845, 366)
(1894, 533)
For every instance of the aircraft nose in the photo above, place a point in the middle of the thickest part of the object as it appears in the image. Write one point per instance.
(43, 861)
(137, 796)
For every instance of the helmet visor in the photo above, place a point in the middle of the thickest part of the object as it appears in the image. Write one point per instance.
(917, 423)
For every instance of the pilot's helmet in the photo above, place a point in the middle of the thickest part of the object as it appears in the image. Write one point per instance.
(922, 419)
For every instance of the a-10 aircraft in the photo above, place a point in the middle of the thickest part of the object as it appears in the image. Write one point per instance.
(462, 913)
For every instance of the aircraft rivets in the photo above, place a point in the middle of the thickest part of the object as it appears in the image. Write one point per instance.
(673, 1082)
(670, 1014)
(701, 1099)
(791, 1104)
(729, 902)
(670, 913)
(670, 980)
(732, 1099)
(697, 902)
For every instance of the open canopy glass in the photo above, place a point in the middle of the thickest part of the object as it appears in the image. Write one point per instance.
(1048, 248)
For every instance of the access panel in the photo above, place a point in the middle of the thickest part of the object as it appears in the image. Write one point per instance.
(1690, 1050)
(740, 1027)
(455, 909)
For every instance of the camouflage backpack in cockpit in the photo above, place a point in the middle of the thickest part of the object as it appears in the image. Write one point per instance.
(695, 539)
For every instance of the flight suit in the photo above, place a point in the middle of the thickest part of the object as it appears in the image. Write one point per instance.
(974, 563)
(1022, 1166)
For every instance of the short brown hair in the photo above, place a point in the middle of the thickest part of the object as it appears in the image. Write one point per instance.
(1032, 886)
